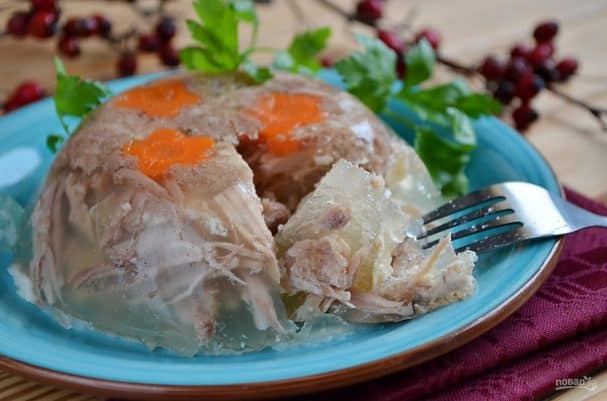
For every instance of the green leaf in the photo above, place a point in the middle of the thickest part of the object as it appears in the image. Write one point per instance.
(256, 73)
(446, 161)
(433, 103)
(302, 52)
(75, 96)
(54, 141)
(216, 33)
(441, 96)
(462, 128)
(198, 59)
(476, 105)
(306, 46)
(221, 21)
(420, 62)
(370, 74)
(215, 54)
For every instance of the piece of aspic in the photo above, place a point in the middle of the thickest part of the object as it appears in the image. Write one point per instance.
(345, 249)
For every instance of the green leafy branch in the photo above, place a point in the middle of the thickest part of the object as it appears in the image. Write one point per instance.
(452, 107)
(217, 50)
(216, 32)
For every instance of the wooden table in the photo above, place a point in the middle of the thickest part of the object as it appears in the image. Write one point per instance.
(567, 136)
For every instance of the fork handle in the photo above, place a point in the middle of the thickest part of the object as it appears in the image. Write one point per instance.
(579, 218)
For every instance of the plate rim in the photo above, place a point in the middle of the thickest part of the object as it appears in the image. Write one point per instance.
(309, 383)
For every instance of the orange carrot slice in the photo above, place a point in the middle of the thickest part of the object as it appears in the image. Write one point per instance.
(159, 99)
(282, 113)
(166, 147)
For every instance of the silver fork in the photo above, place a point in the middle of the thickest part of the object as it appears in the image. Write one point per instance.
(505, 214)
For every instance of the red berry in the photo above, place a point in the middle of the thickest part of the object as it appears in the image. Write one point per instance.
(492, 68)
(148, 43)
(523, 116)
(431, 35)
(528, 86)
(71, 27)
(80, 27)
(516, 69)
(25, 93)
(88, 27)
(127, 64)
(566, 68)
(42, 24)
(504, 92)
(391, 39)
(104, 26)
(369, 11)
(541, 53)
(520, 50)
(547, 70)
(68, 46)
(165, 28)
(169, 56)
(327, 61)
(545, 31)
(17, 24)
(43, 5)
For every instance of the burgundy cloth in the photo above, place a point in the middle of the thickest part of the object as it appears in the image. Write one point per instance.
(560, 333)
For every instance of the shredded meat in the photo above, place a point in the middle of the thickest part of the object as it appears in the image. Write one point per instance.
(371, 308)
(320, 267)
(274, 213)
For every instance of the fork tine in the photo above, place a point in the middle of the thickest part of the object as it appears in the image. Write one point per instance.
(464, 202)
(487, 211)
(496, 241)
(497, 222)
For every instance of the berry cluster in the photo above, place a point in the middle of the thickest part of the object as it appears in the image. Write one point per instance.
(517, 81)
(75, 29)
(42, 21)
(160, 41)
(514, 82)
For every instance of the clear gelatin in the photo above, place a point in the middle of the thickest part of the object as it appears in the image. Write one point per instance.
(156, 220)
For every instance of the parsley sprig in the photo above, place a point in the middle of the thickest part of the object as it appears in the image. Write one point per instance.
(74, 97)
(444, 133)
(370, 74)
(216, 33)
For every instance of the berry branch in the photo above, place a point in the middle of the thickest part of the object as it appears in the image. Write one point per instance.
(514, 84)
(43, 21)
(597, 112)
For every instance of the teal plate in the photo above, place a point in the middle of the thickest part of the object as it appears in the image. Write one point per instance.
(33, 344)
